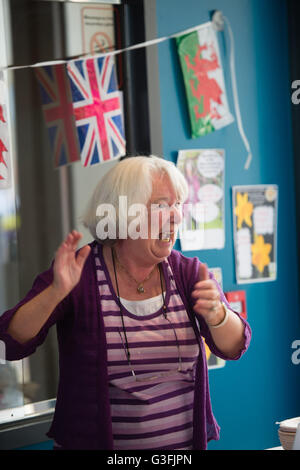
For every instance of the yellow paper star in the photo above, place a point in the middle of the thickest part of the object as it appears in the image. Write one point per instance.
(243, 210)
(207, 351)
(260, 253)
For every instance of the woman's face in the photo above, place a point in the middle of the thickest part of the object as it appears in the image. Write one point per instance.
(164, 213)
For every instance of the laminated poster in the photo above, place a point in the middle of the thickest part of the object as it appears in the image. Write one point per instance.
(202, 226)
(98, 28)
(255, 232)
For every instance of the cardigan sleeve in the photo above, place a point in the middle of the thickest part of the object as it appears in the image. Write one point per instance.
(15, 350)
(188, 271)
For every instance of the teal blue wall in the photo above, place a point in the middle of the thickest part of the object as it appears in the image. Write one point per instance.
(250, 395)
(47, 445)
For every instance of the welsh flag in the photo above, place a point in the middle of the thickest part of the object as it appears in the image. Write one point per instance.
(204, 80)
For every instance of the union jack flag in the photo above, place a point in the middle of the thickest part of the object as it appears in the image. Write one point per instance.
(58, 113)
(2, 118)
(2, 149)
(97, 109)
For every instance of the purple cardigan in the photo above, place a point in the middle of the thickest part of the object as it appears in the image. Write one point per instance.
(82, 417)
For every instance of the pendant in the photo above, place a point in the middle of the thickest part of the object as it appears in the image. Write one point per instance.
(140, 289)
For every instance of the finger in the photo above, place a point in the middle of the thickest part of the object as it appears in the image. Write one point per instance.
(68, 245)
(209, 294)
(208, 284)
(204, 312)
(62, 249)
(76, 236)
(62, 254)
(72, 239)
(203, 272)
(68, 241)
(208, 304)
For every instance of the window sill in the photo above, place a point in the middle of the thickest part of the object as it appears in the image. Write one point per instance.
(25, 425)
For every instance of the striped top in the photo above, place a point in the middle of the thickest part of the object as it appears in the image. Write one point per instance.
(156, 411)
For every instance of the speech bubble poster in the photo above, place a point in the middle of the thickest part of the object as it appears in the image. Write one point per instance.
(202, 226)
(255, 232)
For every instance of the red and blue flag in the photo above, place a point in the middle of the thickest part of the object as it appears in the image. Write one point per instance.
(58, 113)
(97, 109)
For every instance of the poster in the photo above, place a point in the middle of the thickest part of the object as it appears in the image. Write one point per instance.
(98, 29)
(90, 29)
(214, 362)
(237, 302)
(204, 81)
(202, 227)
(255, 232)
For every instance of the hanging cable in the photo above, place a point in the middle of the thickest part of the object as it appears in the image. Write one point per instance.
(218, 21)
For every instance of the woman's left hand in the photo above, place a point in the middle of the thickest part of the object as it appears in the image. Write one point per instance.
(207, 296)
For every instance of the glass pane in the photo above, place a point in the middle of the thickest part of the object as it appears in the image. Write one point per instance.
(43, 203)
(11, 374)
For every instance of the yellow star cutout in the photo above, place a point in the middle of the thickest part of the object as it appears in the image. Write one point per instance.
(243, 210)
(207, 351)
(260, 253)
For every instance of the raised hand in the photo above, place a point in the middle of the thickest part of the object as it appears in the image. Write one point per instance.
(67, 267)
(207, 297)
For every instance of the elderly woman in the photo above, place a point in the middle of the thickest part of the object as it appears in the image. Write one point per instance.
(131, 314)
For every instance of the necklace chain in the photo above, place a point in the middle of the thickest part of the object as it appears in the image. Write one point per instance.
(140, 285)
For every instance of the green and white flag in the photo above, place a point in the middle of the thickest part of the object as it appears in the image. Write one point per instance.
(204, 80)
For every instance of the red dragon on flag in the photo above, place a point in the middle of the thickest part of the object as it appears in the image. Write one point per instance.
(204, 82)
(207, 90)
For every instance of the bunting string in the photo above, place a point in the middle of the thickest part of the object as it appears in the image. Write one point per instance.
(153, 42)
(140, 45)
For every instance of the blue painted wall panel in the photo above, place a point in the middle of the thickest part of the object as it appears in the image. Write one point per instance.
(47, 445)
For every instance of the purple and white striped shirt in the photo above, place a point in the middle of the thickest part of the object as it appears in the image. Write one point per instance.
(156, 413)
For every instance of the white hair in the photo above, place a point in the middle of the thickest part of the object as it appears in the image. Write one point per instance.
(131, 177)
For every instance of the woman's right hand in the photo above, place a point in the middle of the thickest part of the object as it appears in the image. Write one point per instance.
(67, 267)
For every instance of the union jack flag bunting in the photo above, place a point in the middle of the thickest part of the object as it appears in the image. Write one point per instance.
(58, 113)
(97, 109)
(5, 157)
